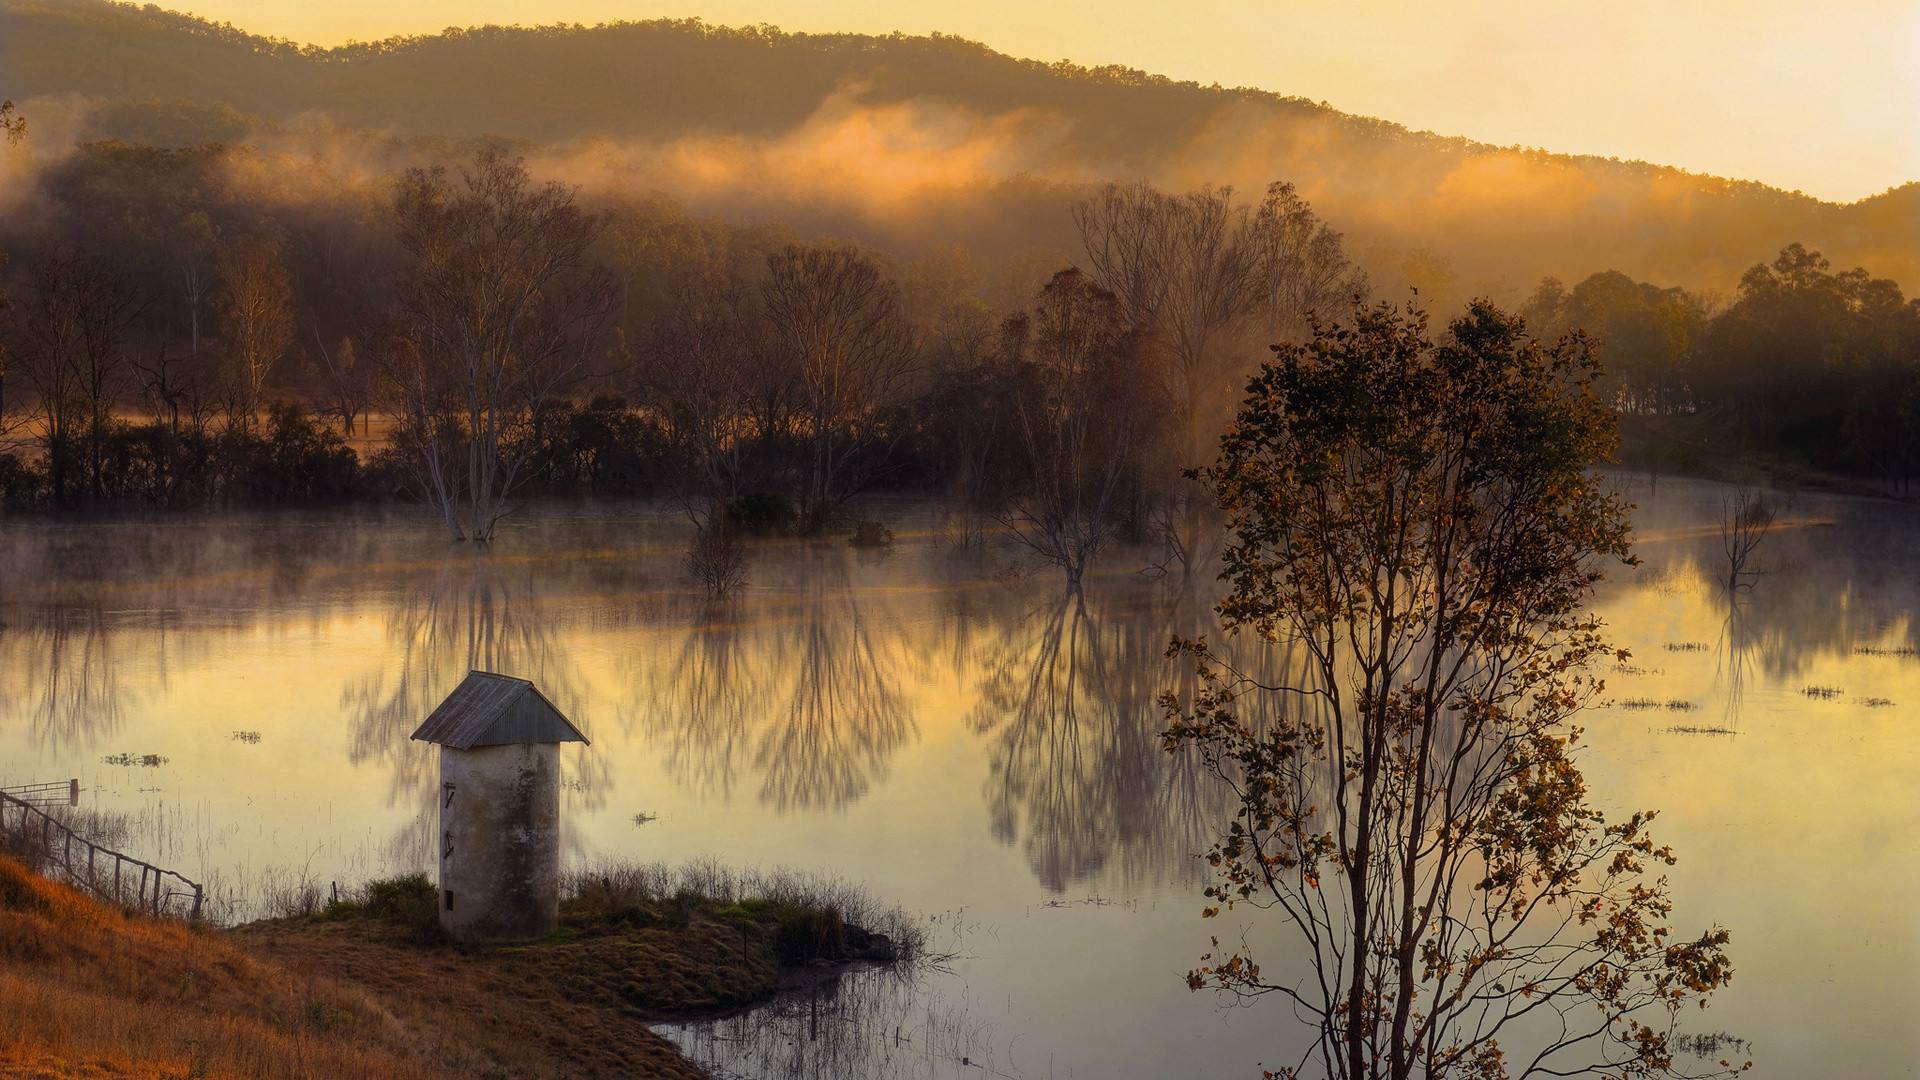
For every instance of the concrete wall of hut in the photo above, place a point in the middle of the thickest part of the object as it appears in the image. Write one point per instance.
(500, 841)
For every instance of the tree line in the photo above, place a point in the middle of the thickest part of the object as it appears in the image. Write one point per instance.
(177, 334)
(469, 335)
(1802, 363)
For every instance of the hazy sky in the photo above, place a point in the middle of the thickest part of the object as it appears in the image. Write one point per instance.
(1821, 96)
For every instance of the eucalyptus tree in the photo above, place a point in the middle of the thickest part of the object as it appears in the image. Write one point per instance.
(1081, 412)
(703, 373)
(840, 329)
(256, 325)
(1416, 524)
(499, 315)
(71, 346)
(1202, 275)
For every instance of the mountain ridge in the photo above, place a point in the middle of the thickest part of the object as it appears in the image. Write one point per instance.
(1497, 217)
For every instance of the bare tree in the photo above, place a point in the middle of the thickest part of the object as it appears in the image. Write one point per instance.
(10, 421)
(71, 349)
(1744, 520)
(193, 293)
(704, 373)
(160, 386)
(256, 322)
(717, 561)
(1079, 416)
(837, 320)
(347, 388)
(427, 435)
(1127, 232)
(969, 425)
(1213, 287)
(1184, 268)
(497, 319)
(13, 126)
(1200, 274)
(1301, 264)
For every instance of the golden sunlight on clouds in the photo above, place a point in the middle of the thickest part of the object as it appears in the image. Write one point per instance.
(1816, 97)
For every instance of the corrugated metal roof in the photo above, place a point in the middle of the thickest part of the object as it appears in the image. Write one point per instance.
(491, 710)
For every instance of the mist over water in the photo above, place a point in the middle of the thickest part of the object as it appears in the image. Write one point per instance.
(960, 737)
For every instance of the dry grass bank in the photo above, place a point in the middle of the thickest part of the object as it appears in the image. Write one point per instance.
(369, 987)
(86, 990)
(635, 945)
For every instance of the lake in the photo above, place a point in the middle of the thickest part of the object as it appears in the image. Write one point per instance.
(958, 735)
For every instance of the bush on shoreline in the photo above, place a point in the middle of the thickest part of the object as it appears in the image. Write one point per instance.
(806, 918)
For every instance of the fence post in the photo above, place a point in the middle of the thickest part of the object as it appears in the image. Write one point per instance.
(73, 792)
(155, 901)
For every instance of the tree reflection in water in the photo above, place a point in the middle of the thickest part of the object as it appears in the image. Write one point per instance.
(1732, 655)
(83, 669)
(803, 691)
(1069, 706)
(473, 613)
(67, 656)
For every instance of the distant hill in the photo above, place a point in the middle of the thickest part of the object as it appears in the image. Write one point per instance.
(914, 136)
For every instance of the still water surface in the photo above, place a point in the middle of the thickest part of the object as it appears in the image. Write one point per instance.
(960, 737)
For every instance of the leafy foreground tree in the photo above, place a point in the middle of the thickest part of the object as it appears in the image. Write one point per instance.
(1413, 523)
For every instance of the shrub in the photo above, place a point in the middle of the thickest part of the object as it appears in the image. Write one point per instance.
(808, 918)
(807, 933)
(762, 514)
(21, 484)
(409, 902)
(871, 534)
(717, 561)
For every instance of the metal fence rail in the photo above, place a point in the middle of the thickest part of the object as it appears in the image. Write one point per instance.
(51, 793)
(132, 883)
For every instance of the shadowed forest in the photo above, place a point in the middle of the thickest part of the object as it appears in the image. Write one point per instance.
(763, 273)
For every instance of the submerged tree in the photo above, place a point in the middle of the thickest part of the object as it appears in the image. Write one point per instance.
(498, 318)
(1080, 415)
(1416, 520)
(838, 323)
(1744, 521)
(1198, 274)
(704, 374)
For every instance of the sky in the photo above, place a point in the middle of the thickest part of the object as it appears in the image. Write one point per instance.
(1822, 97)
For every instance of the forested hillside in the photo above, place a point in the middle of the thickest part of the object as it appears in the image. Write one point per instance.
(906, 140)
(766, 273)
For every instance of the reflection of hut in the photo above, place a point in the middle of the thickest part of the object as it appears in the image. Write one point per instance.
(499, 744)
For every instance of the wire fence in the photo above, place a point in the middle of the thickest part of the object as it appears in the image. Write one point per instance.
(108, 874)
(51, 793)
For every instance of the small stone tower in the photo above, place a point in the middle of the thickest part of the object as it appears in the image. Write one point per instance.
(499, 740)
